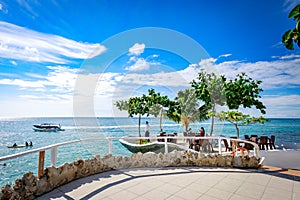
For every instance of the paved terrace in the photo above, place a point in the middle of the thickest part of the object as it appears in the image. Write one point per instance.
(184, 183)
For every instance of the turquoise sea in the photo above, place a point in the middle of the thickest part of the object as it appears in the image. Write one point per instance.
(19, 130)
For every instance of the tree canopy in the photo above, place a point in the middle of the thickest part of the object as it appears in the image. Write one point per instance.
(238, 118)
(217, 90)
(210, 89)
(244, 91)
(293, 36)
(162, 105)
(151, 104)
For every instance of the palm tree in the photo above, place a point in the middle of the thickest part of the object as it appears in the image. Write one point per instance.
(162, 106)
(191, 111)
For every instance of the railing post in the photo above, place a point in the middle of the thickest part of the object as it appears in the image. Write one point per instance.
(41, 163)
(220, 147)
(53, 156)
(110, 145)
(256, 150)
(166, 145)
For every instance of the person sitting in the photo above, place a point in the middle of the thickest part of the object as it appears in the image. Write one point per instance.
(202, 134)
(26, 144)
(30, 144)
(15, 144)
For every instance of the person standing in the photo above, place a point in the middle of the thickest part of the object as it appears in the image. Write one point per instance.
(147, 129)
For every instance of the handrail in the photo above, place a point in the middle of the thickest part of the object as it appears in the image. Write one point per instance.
(54, 147)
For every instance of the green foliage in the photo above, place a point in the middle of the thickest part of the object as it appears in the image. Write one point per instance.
(122, 105)
(214, 90)
(191, 110)
(238, 118)
(244, 91)
(162, 105)
(210, 89)
(151, 104)
(135, 106)
(291, 36)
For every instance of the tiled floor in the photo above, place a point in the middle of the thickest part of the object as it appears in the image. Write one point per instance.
(182, 183)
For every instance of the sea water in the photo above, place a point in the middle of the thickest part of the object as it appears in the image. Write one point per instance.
(19, 130)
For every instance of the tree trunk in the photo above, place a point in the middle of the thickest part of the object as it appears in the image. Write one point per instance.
(140, 125)
(160, 123)
(237, 130)
(186, 124)
(212, 119)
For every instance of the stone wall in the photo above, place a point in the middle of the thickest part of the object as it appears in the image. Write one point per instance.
(30, 186)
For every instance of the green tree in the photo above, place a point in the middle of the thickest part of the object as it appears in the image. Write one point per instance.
(191, 111)
(151, 104)
(135, 106)
(238, 118)
(244, 91)
(291, 36)
(163, 106)
(210, 89)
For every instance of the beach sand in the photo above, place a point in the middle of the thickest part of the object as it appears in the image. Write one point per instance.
(289, 159)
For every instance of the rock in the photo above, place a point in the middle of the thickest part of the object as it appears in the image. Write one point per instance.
(6, 192)
(221, 161)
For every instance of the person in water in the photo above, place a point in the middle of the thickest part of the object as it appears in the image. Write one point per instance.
(30, 144)
(26, 144)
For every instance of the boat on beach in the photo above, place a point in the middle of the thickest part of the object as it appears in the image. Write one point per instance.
(47, 127)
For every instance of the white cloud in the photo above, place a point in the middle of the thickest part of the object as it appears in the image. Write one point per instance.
(289, 56)
(58, 85)
(13, 62)
(140, 65)
(3, 8)
(282, 106)
(60, 80)
(24, 44)
(225, 55)
(206, 63)
(22, 83)
(28, 8)
(278, 73)
(137, 49)
(288, 5)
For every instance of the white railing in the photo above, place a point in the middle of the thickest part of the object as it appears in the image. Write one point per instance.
(54, 147)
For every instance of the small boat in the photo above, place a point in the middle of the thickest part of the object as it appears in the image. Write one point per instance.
(47, 127)
(18, 146)
(154, 146)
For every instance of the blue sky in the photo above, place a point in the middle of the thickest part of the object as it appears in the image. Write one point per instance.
(75, 58)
